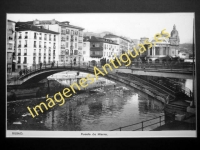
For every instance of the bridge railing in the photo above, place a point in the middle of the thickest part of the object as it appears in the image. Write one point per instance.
(136, 64)
(162, 65)
(143, 126)
(150, 84)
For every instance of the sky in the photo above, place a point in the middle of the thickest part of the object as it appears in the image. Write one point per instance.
(131, 25)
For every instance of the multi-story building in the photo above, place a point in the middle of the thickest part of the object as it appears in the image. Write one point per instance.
(86, 50)
(162, 51)
(10, 45)
(35, 45)
(101, 48)
(70, 39)
(95, 49)
(123, 42)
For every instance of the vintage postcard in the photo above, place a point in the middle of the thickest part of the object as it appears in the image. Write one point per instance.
(101, 75)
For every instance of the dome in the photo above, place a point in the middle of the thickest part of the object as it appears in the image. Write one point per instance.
(174, 32)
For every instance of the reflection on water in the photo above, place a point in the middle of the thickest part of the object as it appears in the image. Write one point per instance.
(89, 112)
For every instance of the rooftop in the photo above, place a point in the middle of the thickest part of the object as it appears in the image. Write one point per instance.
(11, 21)
(23, 26)
(115, 36)
(98, 39)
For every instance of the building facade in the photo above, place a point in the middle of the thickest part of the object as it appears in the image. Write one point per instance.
(102, 48)
(70, 40)
(160, 52)
(35, 45)
(95, 49)
(10, 45)
(123, 42)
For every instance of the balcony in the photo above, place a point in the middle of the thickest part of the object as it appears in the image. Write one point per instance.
(19, 46)
(25, 45)
(63, 33)
(80, 48)
(63, 40)
(96, 55)
(80, 41)
(26, 37)
(10, 38)
(24, 62)
(9, 48)
(19, 62)
(25, 54)
(19, 54)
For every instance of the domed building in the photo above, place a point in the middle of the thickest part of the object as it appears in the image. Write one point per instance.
(163, 51)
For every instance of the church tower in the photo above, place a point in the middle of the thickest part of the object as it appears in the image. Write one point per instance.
(174, 42)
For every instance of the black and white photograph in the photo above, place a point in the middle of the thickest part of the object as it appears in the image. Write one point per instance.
(100, 75)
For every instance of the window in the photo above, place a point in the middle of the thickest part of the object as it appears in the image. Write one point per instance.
(19, 51)
(44, 44)
(67, 44)
(67, 38)
(72, 32)
(75, 45)
(25, 43)
(25, 60)
(62, 58)
(164, 51)
(25, 51)
(76, 39)
(150, 51)
(97, 45)
(157, 50)
(39, 59)
(49, 37)
(34, 43)
(84, 44)
(67, 31)
(40, 44)
(35, 35)
(19, 60)
(84, 52)
(54, 37)
(33, 60)
(45, 36)
(26, 35)
(19, 44)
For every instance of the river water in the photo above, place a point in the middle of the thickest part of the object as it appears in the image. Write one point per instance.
(98, 111)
